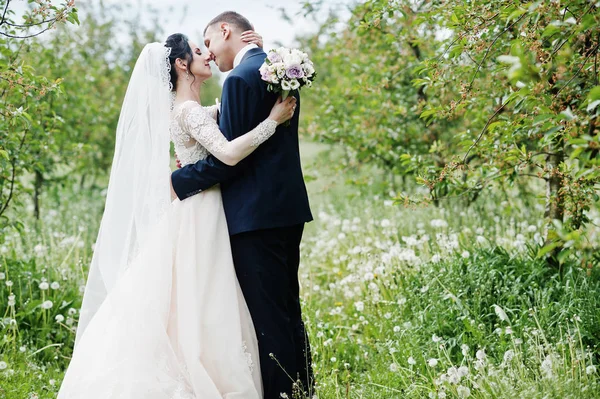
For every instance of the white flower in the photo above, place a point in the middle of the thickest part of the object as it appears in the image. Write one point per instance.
(39, 249)
(9, 283)
(465, 350)
(412, 361)
(436, 339)
(438, 223)
(385, 223)
(44, 286)
(333, 359)
(508, 356)
(3, 365)
(11, 300)
(432, 362)
(22, 349)
(481, 239)
(393, 367)
(590, 369)
(547, 367)
(360, 306)
(285, 85)
(52, 382)
(47, 305)
(55, 285)
(479, 364)
(500, 313)
(465, 254)
(72, 311)
(442, 395)
(480, 355)
(2, 276)
(463, 392)
(436, 258)
(59, 318)
(463, 371)
(294, 84)
(396, 329)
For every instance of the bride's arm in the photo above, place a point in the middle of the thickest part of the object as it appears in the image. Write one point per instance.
(198, 124)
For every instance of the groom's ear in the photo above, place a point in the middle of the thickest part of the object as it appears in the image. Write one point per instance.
(225, 30)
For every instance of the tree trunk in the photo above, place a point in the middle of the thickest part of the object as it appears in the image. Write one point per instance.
(39, 181)
(554, 199)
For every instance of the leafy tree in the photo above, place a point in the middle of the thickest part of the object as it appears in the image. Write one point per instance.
(508, 92)
(21, 87)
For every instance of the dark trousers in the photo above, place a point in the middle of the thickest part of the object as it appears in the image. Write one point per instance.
(266, 263)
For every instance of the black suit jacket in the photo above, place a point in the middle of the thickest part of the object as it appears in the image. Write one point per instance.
(266, 190)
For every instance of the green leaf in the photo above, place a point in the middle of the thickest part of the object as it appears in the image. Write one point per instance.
(547, 249)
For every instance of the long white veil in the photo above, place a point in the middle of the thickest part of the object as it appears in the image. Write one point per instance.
(138, 190)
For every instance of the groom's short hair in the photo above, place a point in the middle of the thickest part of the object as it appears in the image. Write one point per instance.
(232, 18)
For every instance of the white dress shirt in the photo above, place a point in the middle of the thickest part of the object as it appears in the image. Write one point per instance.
(238, 58)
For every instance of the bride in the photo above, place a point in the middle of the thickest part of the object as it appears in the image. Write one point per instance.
(163, 316)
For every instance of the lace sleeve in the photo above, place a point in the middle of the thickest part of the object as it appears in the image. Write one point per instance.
(198, 123)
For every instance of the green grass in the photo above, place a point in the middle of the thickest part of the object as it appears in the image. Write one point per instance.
(399, 302)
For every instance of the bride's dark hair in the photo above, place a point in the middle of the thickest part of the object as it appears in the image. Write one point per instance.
(180, 48)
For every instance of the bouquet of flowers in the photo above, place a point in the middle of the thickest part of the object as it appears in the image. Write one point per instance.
(287, 70)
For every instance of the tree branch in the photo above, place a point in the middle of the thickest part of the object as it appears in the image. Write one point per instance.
(498, 111)
(3, 20)
(593, 51)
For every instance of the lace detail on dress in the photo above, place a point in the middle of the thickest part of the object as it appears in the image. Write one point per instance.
(263, 132)
(247, 356)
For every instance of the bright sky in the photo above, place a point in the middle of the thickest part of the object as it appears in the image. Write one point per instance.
(191, 16)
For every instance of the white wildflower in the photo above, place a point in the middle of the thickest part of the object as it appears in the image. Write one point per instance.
(500, 313)
(393, 367)
(465, 350)
(463, 392)
(438, 223)
(412, 361)
(360, 306)
(3, 365)
(590, 369)
(59, 318)
(465, 254)
(55, 285)
(47, 305)
(508, 356)
(432, 362)
(480, 355)
(44, 286)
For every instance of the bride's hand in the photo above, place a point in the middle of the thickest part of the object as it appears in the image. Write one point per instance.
(283, 110)
(251, 36)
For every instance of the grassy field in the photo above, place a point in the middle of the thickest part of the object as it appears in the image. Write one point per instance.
(431, 302)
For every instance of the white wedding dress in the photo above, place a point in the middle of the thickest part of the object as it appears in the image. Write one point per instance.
(175, 325)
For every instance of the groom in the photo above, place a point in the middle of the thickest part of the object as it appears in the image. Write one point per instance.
(266, 206)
